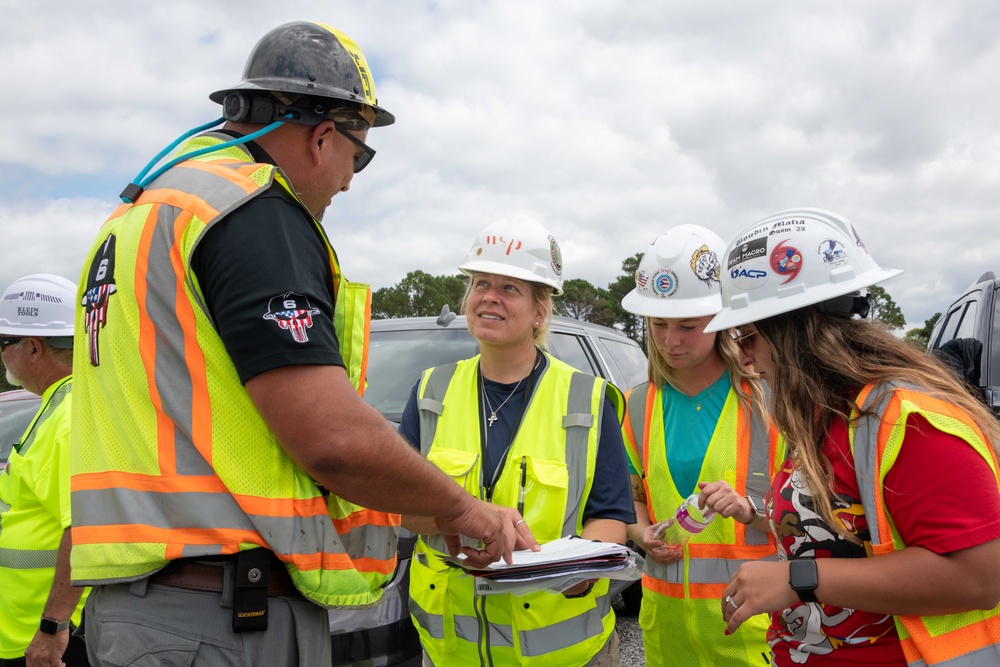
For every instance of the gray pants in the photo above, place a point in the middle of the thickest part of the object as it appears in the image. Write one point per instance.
(153, 625)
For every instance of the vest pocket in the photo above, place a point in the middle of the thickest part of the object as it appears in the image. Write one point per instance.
(459, 465)
(546, 488)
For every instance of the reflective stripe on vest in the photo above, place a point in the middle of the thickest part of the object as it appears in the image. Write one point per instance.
(969, 639)
(456, 625)
(173, 458)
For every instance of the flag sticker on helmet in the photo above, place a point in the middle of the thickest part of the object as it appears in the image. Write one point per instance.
(641, 278)
(292, 312)
(786, 261)
(832, 252)
(100, 287)
(665, 283)
(706, 266)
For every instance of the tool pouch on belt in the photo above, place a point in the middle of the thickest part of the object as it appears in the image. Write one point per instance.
(253, 568)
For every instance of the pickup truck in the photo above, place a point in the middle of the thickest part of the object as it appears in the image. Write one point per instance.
(968, 336)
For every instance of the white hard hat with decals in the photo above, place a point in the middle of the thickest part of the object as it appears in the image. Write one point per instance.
(678, 275)
(39, 305)
(517, 246)
(790, 260)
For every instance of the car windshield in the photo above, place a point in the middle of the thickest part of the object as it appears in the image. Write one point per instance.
(397, 358)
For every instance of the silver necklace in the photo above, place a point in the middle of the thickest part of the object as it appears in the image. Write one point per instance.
(493, 413)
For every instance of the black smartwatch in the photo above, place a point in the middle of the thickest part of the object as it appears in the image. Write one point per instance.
(51, 626)
(803, 578)
(759, 509)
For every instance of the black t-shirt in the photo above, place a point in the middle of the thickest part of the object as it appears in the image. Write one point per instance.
(610, 494)
(268, 285)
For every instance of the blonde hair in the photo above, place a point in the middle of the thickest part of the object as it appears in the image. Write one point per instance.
(822, 361)
(541, 297)
(661, 373)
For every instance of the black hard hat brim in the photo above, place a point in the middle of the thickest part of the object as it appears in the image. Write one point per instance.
(382, 117)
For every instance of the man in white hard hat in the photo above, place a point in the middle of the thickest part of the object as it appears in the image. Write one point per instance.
(39, 605)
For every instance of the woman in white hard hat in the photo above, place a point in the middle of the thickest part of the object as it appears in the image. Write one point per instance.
(521, 429)
(689, 428)
(887, 510)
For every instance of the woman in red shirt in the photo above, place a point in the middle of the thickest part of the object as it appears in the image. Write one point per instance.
(887, 510)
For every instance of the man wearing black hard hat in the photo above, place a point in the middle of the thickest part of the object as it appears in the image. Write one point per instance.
(230, 481)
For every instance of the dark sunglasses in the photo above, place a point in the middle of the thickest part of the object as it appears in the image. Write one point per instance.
(7, 341)
(369, 152)
(744, 340)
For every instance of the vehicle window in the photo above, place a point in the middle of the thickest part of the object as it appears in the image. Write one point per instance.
(570, 348)
(950, 325)
(967, 327)
(397, 358)
(631, 362)
(14, 418)
(991, 375)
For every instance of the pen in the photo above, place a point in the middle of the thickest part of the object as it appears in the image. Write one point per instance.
(524, 475)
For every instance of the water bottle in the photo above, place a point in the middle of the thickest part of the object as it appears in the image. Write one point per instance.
(687, 521)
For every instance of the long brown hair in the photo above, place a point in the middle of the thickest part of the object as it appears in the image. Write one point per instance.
(821, 362)
(661, 373)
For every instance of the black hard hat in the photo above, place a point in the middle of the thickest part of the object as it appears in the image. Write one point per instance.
(310, 59)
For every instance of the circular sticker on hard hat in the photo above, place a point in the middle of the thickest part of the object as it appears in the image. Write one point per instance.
(747, 263)
(786, 261)
(556, 255)
(706, 265)
(832, 252)
(664, 283)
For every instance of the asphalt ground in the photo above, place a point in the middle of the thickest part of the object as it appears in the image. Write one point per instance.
(629, 636)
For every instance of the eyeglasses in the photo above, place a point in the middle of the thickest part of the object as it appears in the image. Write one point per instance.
(369, 152)
(744, 340)
(7, 341)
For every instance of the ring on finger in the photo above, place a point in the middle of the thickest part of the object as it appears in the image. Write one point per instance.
(731, 601)
(519, 523)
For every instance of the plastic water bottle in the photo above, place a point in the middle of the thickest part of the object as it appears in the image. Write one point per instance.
(687, 521)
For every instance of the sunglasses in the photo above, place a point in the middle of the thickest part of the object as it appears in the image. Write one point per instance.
(744, 340)
(369, 152)
(7, 341)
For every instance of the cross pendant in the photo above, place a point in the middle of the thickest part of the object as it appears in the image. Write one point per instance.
(493, 418)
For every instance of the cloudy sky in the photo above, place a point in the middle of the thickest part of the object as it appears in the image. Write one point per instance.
(610, 121)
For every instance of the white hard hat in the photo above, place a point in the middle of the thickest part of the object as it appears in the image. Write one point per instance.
(518, 247)
(790, 260)
(39, 305)
(678, 276)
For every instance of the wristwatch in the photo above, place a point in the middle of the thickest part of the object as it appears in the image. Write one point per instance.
(758, 507)
(803, 577)
(51, 626)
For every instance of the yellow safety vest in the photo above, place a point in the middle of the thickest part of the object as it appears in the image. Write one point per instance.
(556, 444)
(969, 639)
(171, 458)
(680, 615)
(33, 485)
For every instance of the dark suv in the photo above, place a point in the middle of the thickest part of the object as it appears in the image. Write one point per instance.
(968, 335)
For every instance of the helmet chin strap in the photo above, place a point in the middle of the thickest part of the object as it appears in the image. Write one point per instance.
(847, 305)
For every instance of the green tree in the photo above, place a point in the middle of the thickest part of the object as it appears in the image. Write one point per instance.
(583, 301)
(920, 336)
(631, 325)
(419, 294)
(884, 309)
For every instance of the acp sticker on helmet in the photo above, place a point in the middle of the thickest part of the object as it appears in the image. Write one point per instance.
(706, 265)
(664, 283)
(832, 252)
(747, 264)
(786, 261)
(556, 255)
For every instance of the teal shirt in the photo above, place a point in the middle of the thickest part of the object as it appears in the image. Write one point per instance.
(688, 425)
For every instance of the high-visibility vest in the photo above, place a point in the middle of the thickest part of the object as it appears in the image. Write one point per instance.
(33, 484)
(680, 614)
(556, 446)
(969, 639)
(171, 458)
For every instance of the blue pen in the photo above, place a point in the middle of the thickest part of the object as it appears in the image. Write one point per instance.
(524, 479)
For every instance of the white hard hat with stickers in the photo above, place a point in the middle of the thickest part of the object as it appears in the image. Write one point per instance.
(517, 246)
(678, 275)
(39, 305)
(790, 260)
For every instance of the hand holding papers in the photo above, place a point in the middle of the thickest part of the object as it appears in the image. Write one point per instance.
(559, 565)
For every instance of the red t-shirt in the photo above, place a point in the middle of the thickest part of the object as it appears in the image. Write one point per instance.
(931, 466)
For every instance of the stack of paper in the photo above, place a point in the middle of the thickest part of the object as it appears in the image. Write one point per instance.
(559, 565)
